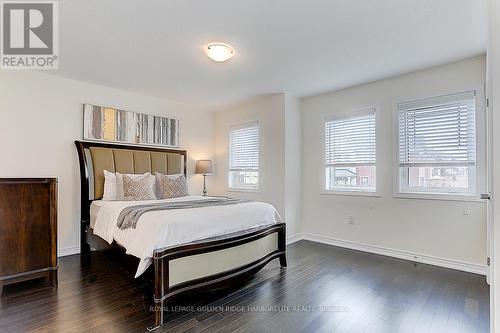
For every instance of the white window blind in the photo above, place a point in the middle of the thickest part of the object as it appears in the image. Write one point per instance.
(244, 156)
(350, 141)
(244, 147)
(438, 131)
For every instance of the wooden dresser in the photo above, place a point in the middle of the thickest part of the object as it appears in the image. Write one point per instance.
(28, 229)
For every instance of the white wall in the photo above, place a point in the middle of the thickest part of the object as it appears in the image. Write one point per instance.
(493, 54)
(429, 227)
(280, 146)
(41, 116)
(293, 165)
(270, 112)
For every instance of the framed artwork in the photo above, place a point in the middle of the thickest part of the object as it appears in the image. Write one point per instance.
(111, 124)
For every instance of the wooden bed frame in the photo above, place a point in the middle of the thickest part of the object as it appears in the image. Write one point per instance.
(164, 293)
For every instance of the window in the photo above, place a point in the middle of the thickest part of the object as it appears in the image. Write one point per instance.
(437, 145)
(244, 156)
(350, 153)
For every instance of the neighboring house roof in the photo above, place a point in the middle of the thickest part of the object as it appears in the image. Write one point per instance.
(345, 173)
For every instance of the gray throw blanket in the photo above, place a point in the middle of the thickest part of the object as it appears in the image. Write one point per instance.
(130, 215)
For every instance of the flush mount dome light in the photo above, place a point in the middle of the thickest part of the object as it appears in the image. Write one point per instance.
(219, 51)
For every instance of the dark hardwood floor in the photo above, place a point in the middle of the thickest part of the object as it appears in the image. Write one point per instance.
(324, 289)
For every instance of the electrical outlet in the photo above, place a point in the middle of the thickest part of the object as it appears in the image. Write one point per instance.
(467, 212)
(350, 219)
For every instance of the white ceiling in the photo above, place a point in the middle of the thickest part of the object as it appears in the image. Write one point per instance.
(298, 46)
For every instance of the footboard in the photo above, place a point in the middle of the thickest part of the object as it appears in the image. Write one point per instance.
(213, 263)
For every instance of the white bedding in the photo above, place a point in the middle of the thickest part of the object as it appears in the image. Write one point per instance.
(160, 229)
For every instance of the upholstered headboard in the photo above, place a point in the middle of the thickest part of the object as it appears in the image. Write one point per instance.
(95, 157)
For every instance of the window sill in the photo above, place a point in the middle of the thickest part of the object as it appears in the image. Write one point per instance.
(244, 190)
(441, 197)
(352, 193)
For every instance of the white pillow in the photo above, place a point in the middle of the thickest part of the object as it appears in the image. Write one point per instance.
(159, 186)
(110, 186)
(113, 185)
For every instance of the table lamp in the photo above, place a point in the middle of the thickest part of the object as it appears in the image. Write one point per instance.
(204, 167)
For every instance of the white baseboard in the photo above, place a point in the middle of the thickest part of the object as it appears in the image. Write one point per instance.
(400, 254)
(68, 251)
(416, 257)
(293, 239)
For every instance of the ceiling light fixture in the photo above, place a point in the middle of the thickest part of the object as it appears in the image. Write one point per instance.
(219, 51)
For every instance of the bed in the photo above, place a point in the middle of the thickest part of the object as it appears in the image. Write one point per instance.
(188, 250)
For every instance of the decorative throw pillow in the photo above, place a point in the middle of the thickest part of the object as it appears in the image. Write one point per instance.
(159, 186)
(174, 187)
(113, 184)
(139, 188)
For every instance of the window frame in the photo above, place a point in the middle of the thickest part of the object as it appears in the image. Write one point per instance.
(345, 191)
(240, 125)
(478, 180)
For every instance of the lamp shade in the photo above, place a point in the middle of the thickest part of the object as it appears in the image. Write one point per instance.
(204, 167)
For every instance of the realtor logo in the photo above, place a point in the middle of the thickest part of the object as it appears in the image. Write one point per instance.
(29, 35)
